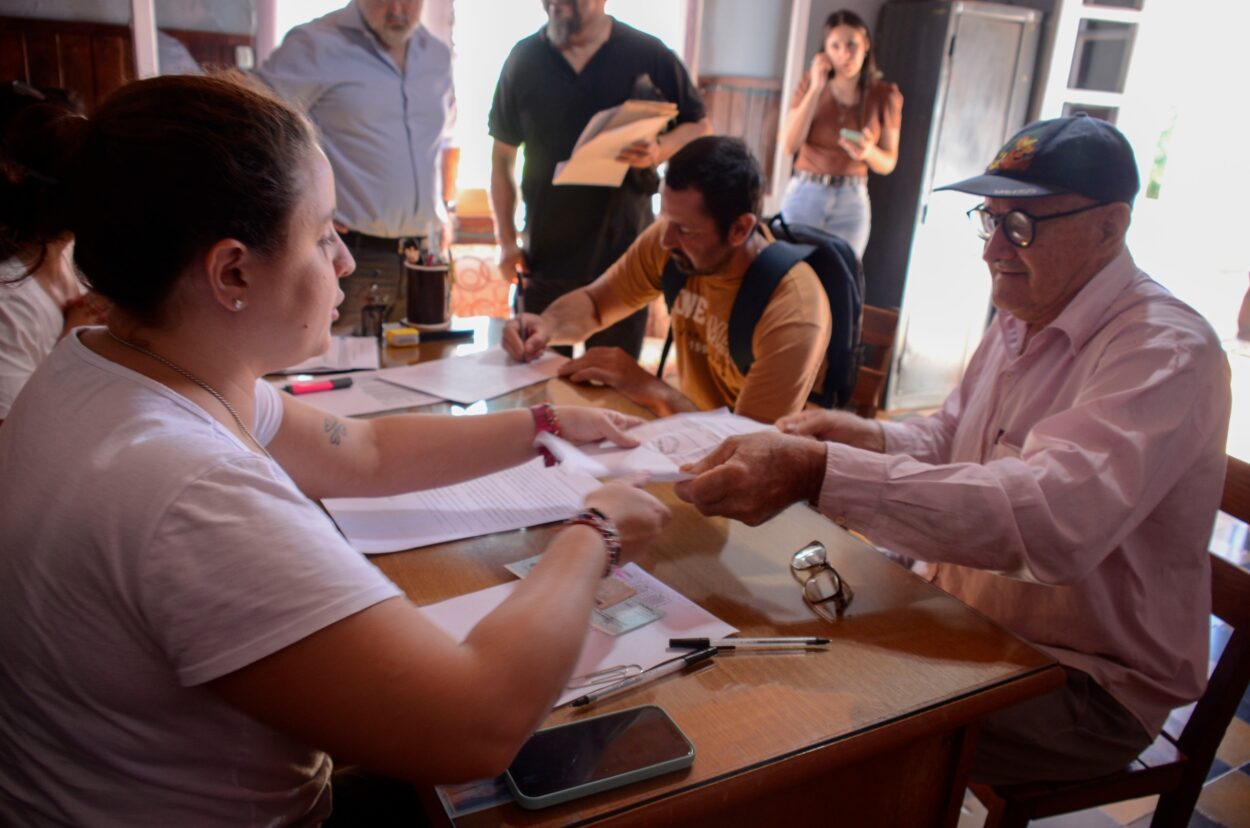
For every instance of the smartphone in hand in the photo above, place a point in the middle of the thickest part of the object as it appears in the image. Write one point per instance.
(852, 135)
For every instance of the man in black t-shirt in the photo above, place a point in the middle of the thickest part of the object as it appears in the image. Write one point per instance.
(553, 82)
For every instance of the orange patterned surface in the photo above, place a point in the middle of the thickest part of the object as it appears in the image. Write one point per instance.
(478, 289)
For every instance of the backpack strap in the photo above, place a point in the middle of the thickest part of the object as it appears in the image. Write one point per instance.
(758, 284)
(672, 280)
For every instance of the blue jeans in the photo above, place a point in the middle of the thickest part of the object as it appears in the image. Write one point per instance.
(842, 210)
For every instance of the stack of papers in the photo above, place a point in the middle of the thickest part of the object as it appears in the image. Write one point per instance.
(530, 494)
(606, 134)
(369, 393)
(526, 495)
(480, 376)
(346, 353)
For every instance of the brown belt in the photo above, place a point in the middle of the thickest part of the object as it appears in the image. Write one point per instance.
(830, 180)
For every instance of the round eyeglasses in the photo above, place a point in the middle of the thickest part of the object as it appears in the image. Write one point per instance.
(1019, 227)
(822, 584)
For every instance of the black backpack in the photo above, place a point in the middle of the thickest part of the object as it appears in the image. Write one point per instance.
(841, 276)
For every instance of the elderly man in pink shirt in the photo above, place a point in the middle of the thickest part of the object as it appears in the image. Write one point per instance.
(1067, 488)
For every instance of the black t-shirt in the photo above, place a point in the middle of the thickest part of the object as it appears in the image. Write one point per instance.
(575, 232)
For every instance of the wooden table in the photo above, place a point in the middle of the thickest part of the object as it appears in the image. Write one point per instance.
(877, 730)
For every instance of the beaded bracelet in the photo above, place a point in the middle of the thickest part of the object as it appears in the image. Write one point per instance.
(545, 420)
(603, 524)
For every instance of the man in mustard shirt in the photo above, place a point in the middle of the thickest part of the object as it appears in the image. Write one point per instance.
(709, 226)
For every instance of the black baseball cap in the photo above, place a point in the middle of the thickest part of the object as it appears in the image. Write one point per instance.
(1076, 154)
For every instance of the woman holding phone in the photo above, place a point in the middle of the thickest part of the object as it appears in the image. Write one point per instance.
(843, 121)
(185, 635)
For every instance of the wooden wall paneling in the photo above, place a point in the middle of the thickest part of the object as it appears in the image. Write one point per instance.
(114, 66)
(12, 55)
(77, 63)
(748, 108)
(43, 62)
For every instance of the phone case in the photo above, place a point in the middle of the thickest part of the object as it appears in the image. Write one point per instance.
(608, 783)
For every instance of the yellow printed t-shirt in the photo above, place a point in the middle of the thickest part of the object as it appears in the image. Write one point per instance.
(789, 342)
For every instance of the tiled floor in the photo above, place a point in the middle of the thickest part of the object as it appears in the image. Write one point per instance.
(1225, 801)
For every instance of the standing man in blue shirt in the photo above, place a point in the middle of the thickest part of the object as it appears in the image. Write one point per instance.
(378, 86)
(552, 83)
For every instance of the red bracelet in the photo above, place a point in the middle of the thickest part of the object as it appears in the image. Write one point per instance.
(545, 420)
(603, 524)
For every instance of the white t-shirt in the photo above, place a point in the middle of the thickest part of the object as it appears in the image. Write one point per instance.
(30, 324)
(144, 551)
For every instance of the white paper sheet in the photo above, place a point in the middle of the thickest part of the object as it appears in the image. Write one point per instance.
(593, 160)
(526, 495)
(346, 353)
(666, 444)
(481, 376)
(646, 646)
(369, 393)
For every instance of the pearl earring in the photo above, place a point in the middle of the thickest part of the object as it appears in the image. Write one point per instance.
(238, 304)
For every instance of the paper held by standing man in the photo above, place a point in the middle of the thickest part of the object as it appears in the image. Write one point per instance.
(609, 132)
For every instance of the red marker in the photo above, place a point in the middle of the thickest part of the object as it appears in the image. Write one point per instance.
(317, 385)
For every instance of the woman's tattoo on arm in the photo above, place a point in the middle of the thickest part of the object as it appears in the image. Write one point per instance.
(336, 430)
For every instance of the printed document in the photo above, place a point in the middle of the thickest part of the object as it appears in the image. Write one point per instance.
(346, 353)
(481, 376)
(526, 495)
(667, 444)
(606, 134)
(643, 647)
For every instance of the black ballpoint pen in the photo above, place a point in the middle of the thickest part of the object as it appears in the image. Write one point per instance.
(659, 671)
(774, 643)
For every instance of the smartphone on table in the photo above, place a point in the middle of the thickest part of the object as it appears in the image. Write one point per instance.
(597, 754)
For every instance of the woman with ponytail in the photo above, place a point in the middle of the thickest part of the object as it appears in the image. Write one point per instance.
(184, 635)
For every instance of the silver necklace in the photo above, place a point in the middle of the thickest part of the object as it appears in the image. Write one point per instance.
(201, 383)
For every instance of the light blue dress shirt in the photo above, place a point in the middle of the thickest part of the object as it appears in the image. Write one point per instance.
(382, 129)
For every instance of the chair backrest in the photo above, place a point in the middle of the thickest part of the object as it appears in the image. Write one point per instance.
(1230, 602)
(877, 335)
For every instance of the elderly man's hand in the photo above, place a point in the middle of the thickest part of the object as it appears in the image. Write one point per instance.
(755, 476)
(836, 427)
(613, 367)
(645, 152)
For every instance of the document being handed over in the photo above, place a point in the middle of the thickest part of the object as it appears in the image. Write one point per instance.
(666, 445)
(606, 135)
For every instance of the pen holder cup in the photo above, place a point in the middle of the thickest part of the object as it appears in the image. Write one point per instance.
(371, 318)
(429, 295)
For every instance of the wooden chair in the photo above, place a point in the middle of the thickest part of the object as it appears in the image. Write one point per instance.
(1174, 767)
(877, 334)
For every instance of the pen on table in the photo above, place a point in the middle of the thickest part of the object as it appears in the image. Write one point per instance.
(659, 671)
(775, 643)
(317, 385)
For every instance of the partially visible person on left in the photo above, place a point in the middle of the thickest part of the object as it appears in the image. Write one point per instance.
(41, 296)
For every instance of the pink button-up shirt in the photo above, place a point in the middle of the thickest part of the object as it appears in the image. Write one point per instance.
(1067, 489)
